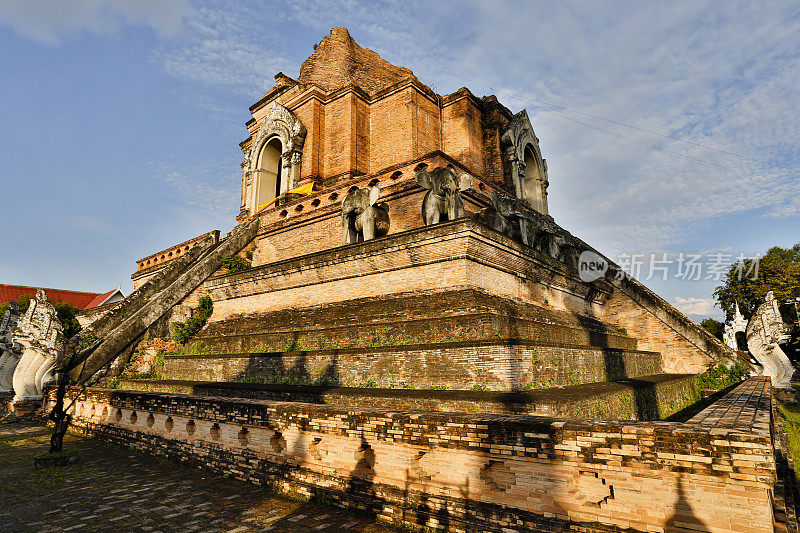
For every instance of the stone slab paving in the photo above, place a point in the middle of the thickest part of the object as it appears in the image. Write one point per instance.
(114, 489)
(746, 406)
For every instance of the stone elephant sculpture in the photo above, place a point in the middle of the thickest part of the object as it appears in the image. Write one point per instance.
(362, 216)
(442, 202)
(540, 232)
(503, 215)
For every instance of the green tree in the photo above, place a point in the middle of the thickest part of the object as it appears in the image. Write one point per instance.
(748, 282)
(24, 302)
(715, 327)
(66, 314)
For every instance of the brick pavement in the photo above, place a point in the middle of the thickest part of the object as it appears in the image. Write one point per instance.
(745, 406)
(113, 489)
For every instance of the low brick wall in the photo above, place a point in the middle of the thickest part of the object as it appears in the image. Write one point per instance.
(647, 398)
(459, 471)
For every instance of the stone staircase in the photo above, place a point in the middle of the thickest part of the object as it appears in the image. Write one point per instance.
(459, 350)
(118, 329)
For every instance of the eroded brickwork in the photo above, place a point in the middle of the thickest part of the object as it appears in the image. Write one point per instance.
(487, 470)
(645, 398)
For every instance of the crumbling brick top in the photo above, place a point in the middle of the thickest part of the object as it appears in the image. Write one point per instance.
(338, 61)
(746, 406)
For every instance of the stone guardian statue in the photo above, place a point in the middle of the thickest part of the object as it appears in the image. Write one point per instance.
(362, 216)
(442, 202)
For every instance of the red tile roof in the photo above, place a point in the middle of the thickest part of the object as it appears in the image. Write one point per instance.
(76, 298)
(100, 300)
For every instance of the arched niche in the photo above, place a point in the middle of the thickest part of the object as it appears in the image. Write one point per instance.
(268, 176)
(280, 129)
(532, 182)
(528, 168)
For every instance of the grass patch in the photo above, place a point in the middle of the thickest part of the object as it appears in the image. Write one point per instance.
(717, 377)
(791, 424)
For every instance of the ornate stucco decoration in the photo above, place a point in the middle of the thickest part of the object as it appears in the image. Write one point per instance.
(10, 351)
(516, 137)
(765, 331)
(739, 323)
(42, 338)
(283, 124)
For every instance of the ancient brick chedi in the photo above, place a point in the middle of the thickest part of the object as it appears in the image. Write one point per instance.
(394, 250)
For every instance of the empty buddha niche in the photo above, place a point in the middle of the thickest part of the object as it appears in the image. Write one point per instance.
(533, 186)
(268, 175)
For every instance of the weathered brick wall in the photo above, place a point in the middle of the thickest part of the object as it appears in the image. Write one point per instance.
(463, 254)
(363, 114)
(491, 471)
(684, 345)
(461, 129)
(651, 398)
(423, 318)
(457, 365)
(459, 254)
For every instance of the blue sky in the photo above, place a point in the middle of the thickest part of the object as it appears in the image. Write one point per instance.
(121, 120)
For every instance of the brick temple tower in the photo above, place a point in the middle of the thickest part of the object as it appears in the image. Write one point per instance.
(352, 119)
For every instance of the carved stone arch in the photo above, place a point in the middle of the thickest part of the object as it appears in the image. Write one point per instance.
(282, 124)
(517, 138)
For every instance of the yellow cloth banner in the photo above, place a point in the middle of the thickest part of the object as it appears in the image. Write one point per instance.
(308, 188)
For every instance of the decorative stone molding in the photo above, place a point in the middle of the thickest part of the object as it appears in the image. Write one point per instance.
(516, 137)
(42, 339)
(283, 124)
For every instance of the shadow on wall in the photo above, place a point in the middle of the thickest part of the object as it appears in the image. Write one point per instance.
(360, 484)
(421, 503)
(683, 518)
(270, 368)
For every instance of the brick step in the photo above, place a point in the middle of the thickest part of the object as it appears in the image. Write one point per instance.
(652, 397)
(493, 364)
(465, 314)
(481, 327)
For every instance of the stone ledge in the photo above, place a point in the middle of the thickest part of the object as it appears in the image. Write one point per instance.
(410, 346)
(634, 399)
(462, 240)
(513, 425)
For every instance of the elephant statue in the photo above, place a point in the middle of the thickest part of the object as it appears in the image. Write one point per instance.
(540, 232)
(566, 251)
(503, 215)
(361, 215)
(442, 202)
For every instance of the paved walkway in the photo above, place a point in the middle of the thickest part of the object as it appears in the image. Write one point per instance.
(114, 489)
(747, 408)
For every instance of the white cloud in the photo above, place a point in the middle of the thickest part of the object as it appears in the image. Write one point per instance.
(49, 21)
(208, 191)
(696, 306)
(723, 80)
(226, 49)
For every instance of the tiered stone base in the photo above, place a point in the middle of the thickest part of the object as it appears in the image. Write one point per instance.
(457, 340)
